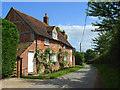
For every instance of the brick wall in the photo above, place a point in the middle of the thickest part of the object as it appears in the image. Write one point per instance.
(25, 33)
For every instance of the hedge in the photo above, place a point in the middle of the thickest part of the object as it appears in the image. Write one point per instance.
(10, 38)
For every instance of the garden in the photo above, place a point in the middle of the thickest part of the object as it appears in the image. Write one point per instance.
(48, 68)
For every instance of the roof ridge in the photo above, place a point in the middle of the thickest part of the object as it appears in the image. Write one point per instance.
(30, 16)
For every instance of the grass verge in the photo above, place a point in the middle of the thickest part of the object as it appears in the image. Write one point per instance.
(56, 74)
(109, 74)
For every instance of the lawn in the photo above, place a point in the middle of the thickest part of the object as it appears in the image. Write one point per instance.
(109, 74)
(56, 74)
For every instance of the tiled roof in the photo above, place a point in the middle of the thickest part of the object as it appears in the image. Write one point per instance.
(22, 48)
(41, 28)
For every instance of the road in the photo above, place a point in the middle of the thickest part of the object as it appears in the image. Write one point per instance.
(83, 78)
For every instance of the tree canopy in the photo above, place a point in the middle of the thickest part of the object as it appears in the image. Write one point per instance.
(108, 40)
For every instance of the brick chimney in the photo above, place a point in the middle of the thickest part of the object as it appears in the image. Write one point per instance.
(45, 19)
(63, 32)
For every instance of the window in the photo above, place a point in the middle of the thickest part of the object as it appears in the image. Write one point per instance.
(65, 58)
(47, 42)
(54, 57)
(64, 47)
(71, 50)
(54, 35)
(71, 58)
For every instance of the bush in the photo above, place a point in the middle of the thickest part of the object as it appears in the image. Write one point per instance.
(46, 71)
(61, 68)
(10, 39)
(53, 70)
(79, 58)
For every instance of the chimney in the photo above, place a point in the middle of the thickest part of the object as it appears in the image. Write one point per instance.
(45, 19)
(63, 32)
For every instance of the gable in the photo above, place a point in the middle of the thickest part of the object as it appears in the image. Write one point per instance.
(25, 32)
(36, 26)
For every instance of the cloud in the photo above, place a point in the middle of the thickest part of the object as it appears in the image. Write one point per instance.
(75, 32)
(93, 17)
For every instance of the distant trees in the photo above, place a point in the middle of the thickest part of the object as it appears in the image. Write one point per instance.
(79, 58)
(10, 39)
(90, 54)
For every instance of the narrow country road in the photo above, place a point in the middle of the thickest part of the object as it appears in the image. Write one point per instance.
(86, 77)
(83, 78)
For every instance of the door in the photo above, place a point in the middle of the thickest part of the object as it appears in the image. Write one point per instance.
(30, 61)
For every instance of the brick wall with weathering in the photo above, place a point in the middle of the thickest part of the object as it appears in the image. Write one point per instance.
(25, 33)
(24, 57)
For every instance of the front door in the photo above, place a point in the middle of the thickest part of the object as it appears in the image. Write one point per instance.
(30, 61)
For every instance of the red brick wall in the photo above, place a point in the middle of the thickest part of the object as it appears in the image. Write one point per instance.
(24, 55)
(21, 26)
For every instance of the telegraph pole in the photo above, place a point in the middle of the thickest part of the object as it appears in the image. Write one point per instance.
(80, 47)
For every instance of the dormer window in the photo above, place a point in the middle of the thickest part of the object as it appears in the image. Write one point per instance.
(54, 35)
(47, 42)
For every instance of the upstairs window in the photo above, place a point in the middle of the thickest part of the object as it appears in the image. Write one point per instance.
(47, 42)
(54, 35)
(71, 50)
(64, 47)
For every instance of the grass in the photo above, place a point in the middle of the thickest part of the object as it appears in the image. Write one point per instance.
(109, 74)
(56, 74)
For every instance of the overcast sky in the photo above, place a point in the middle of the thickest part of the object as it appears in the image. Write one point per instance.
(69, 16)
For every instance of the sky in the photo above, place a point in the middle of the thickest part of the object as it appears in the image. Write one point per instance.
(69, 16)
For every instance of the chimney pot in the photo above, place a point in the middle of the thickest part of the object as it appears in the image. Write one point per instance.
(63, 32)
(45, 19)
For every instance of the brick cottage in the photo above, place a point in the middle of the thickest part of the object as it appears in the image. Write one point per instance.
(35, 35)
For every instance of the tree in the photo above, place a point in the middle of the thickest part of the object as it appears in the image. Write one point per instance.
(89, 54)
(102, 42)
(10, 38)
(108, 14)
(79, 58)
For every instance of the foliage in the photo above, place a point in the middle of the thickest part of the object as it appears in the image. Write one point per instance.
(109, 41)
(107, 12)
(61, 56)
(42, 57)
(58, 29)
(102, 42)
(89, 54)
(56, 74)
(79, 58)
(10, 38)
(109, 75)
(46, 71)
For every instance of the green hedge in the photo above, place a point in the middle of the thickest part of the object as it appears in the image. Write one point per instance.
(10, 38)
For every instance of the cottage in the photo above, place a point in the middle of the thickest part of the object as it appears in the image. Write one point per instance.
(34, 35)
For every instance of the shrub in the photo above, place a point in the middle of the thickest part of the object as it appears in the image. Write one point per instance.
(46, 71)
(10, 39)
(61, 68)
(53, 70)
(79, 58)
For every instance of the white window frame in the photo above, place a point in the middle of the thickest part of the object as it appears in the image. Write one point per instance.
(71, 50)
(54, 35)
(54, 57)
(64, 47)
(47, 42)
(70, 58)
(65, 58)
